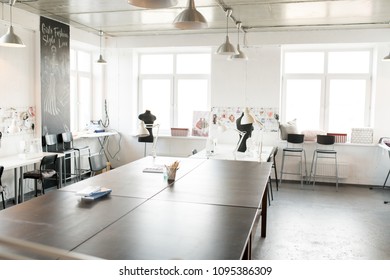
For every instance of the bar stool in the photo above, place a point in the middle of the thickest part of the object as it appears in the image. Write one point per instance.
(294, 148)
(324, 150)
(67, 142)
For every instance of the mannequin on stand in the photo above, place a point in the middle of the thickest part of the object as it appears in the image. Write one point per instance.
(248, 128)
(147, 118)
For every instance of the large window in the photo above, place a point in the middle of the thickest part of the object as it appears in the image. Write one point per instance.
(80, 89)
(173, 86)
(328, 90)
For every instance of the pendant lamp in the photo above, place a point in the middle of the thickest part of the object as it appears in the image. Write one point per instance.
(10, 39)
(190, 18)
(227, 48)
(240, 54)
(101, 59)
(153, 4)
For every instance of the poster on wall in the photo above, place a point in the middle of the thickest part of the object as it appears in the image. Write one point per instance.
(55, 76)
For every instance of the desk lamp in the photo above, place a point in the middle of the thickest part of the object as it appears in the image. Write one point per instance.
(223, 127)
(143, 132)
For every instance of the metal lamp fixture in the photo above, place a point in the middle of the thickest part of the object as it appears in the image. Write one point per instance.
(101, 59)
(10, 39)
(153, 4)
(144, 132)
(240, 54)
(190, 18)
(227, 48)
(387, 57)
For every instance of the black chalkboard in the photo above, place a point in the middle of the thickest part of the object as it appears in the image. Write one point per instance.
(55, 76)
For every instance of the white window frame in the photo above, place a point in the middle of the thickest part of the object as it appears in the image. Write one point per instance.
(325, 84)
(174, 78)
(77, 75)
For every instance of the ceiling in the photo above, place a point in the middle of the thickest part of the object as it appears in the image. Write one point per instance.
(117, 18)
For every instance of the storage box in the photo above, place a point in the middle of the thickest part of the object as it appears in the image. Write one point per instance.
(362, 135)
(339, 137)
(179, 131)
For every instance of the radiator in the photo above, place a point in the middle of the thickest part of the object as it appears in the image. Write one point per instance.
(328, 169)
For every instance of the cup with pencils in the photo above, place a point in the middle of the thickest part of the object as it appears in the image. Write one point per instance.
(171, 171)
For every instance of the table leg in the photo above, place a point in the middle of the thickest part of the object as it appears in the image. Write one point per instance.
(21, 187)
(264, 212)
(16, 185)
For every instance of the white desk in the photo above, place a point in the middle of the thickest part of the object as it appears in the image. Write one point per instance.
(16, 162)
(226, 152)
(102, 138)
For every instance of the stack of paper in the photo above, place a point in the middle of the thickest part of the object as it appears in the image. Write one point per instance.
(93, 192)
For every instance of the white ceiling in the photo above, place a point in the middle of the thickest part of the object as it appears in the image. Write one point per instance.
(117, 18)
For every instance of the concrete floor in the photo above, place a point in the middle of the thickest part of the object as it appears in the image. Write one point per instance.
(352, 223)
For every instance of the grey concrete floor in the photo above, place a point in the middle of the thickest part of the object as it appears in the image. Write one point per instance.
(352, 223)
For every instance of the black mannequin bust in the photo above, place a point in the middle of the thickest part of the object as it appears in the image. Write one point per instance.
(147, 118)
(248, 128)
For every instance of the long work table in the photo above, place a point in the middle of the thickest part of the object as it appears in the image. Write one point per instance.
(208, 212)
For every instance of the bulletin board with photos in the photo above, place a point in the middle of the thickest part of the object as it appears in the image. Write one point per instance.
(228, 115)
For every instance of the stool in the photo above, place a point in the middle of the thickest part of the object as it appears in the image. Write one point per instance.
(294, 148)
(75, 153)
(324, 150)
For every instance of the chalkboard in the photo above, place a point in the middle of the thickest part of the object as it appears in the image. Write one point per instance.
(55, 76)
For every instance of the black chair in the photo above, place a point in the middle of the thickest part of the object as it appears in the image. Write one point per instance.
(97, 163)
(1, 186)
(324, 150)
(51, 143)
(75, 153)
(272, 158)
(46, 171)
(294, 148)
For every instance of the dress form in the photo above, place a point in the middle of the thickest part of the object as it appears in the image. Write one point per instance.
(147, 118)
(248, 128)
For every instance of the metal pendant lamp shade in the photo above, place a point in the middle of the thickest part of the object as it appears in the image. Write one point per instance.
(387, 57)
(153, 4)
(10, 39)
(227, 48)
(190, 18)
(101, 59)
(240, 54)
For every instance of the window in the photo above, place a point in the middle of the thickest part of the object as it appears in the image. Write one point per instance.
(80, 89)
(327, 90)
(173, 86)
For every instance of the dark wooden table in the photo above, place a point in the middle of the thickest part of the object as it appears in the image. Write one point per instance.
(209, 212)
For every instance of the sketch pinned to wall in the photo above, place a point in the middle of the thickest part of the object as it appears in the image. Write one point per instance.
(17, 120)
(227, 117)
(55, 76)
(200, 125)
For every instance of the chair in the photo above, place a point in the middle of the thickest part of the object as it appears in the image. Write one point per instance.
(294, 148)
(67, 145)
(272, 158)
(325, 150)
(1, 186)
(45, 172)
(51, 143)
(97, 163)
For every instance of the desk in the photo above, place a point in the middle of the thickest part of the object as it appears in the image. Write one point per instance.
(144, 218)
(226, 152)
(16, 162)
(102, 138)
